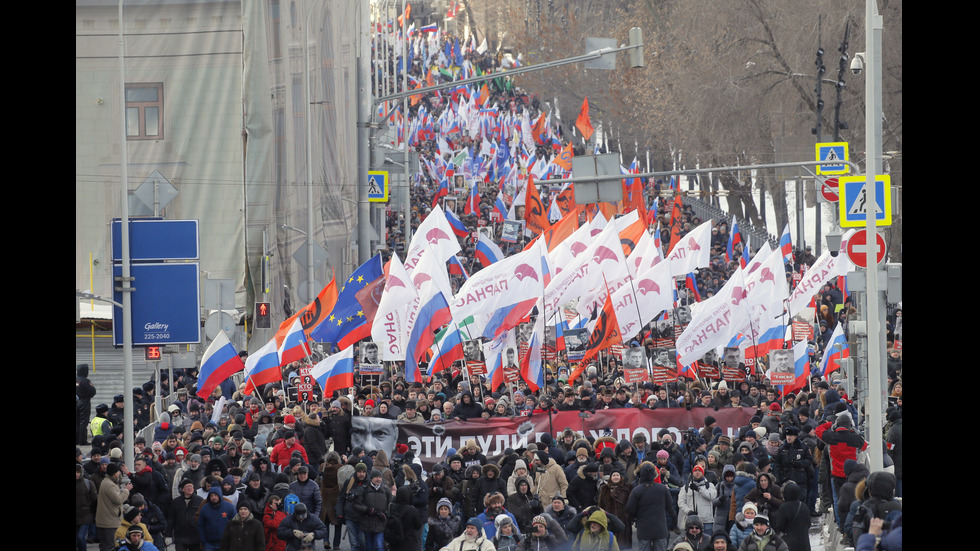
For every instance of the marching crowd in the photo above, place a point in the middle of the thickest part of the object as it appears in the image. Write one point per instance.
(239, 472)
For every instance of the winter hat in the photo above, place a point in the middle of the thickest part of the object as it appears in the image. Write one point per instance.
(474, 522)
(444, 502)
(501, 521)
(539, 519)
(761, 519)
(663, 454)
(698, 468)
(131, 514)
(749, 505)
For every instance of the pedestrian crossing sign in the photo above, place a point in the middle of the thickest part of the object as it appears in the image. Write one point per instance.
(377, 186)
(854, 201)
(832, 151)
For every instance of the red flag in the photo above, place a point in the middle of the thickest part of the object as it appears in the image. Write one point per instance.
(582, 122)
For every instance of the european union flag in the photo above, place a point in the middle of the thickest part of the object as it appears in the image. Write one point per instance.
(352, 316)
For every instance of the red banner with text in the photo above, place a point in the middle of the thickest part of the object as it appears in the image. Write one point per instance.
(431, 443)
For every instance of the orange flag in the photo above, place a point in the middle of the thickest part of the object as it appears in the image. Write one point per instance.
(604, 334)
(630, 235)
(562, 228)
(484, 95)
(633, 198)
(582, 122)
(406, 16)
(538, 129)
(609, 210)
(675, 224)
(312, 314)
(535, 215)
(564, 159)
(566, 200)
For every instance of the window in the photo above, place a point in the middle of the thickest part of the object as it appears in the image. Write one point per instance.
(144, 111)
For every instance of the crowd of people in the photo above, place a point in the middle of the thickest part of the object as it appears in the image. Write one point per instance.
(232, 471)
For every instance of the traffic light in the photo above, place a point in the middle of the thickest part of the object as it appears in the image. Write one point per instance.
(262, 315)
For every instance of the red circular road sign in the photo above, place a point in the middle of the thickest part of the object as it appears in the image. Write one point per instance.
(829, 190)
(858, 249)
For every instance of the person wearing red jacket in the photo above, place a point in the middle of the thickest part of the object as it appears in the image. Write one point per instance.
(843, 442)
(271, 519)
(283, 451)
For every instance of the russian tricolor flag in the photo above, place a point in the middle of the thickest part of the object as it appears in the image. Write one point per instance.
(473, 200)
(433, 314)
(447, 348)
(487, 252)
(801, 367)
(456, 267)
(335, 372)
(430, 28)
(294, 347)
(219, 362)
(506, 318)
(786, 246)
(836, 351)
(499, 208)
(692, 285)
(262, 367)
(441, 192)
(734, 239)
(459, 228)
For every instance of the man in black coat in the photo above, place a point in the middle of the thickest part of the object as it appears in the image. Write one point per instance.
(649, 506)
(84, 392)
(301, 528)
(792, 519)
(182, 520)
(338, 427)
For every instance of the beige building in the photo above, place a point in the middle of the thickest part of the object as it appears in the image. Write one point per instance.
(215, 102)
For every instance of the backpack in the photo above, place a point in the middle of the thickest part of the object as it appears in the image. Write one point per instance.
(289, 503)
(394, 531)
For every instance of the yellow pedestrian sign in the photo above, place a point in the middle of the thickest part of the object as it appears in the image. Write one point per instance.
(377, 186)
(832, 151)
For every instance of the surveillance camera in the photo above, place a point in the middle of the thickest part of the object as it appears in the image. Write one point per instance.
(857, 64)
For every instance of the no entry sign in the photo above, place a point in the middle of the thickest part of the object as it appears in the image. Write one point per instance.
(858, 249)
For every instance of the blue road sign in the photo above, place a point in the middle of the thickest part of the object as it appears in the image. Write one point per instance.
(166, 304)
(377, 186)
(832, 151)
(157, 239)
(854, 204)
